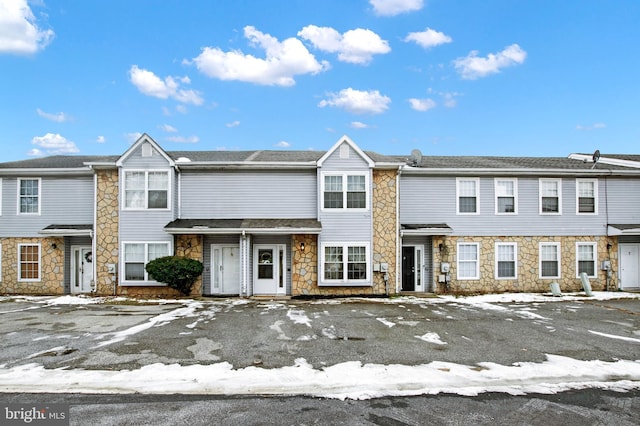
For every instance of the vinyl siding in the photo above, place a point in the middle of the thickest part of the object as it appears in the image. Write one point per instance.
(334, 162)
(624, 200)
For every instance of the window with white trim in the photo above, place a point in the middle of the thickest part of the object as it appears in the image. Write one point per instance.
(136, 257)
(346, 263)
(586, 196)
(28, 262)
(468, 266)
(506, 260)
(549, 260)
(146, 189)
(586, 255)
(467, 190)
(550, 196)
(29, 195)
(506, 196)
(344, 191)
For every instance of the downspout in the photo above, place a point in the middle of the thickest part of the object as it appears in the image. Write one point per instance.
(92, 233)
(398, 236)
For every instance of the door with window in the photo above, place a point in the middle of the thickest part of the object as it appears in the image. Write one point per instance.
(82, 269)
(629, 266)
(225, 269)
(412, 268)
(269, 266)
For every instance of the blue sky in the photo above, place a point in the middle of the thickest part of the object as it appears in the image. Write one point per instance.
(449, 77)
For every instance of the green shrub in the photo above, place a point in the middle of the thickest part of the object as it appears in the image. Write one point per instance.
(175, 271)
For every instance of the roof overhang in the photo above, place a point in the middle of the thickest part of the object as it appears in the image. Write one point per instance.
(623, 229)
(68, 230)
(425, 229)
(243, 226)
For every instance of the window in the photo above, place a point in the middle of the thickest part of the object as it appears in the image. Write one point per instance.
(587, 196)
(550, 196)
(146, 189)
(506, 260)
(350, 258)
(28, 196)
(468, 261)
(506, 196)
(137, 255)
(467, 193)
(586, 259)
(28, 262)
(549, 260)
(344, 191)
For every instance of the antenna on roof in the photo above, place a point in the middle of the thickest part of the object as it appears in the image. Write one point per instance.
(416, 158)
(595, 158)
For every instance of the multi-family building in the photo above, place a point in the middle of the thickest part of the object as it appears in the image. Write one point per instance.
(307, 223)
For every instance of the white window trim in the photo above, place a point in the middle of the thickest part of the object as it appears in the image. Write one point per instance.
(559, 212)
(515, 196)
(32, 280)
(595, 195)
(345, 261)
(595, 259)
(477, 183)
(146, 189)
(558, 260)
(344, 176)
(515, 261)
(147, 281)
(39, 196)
(477, 261)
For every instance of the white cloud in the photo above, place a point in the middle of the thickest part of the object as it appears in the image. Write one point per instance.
(235, 123)
(593, 126)
(358, 125)
(19, 31)
(183, 139)
(450, 99)
(151, 85)
(55, 144)
(133, 136)
(357, 101)
(59, 117)
(395, 7)
(283, 61)
(101, 139)
(422, 104)
(168, 128)
(428, 38)
(472, 66)
(354, 46)
(282, 144)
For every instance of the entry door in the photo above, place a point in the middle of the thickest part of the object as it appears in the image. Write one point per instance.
(629, 266)
(268, 269)
(412, 268)
(82, 269)
(225, 269)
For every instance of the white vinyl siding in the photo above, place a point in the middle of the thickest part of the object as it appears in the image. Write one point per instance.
(586, 196)
(29, 262)
(550, 196)
(29, 195)
(345, 262)
(136, 257)
(467, 195)
(146, 190)
(468, 265)
(342, 191)
(506, 196)
(506, 261)
(549, 254)
(586, 255)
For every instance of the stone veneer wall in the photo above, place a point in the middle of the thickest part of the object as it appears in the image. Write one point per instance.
(51, 267)
(304, 271)
(527, 263)
(106, 230)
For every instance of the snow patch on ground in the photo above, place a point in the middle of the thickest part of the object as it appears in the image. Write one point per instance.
(431, 338)
(386, 322)
(613, 336)
(298, 316)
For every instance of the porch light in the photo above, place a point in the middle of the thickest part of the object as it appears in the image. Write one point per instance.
(302, 246)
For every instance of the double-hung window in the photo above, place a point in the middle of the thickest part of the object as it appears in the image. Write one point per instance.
(137, 255)
(550, 196)
(28, 262)
(344, 191)
(549, 260)
(146, 189)
(586, 259)
(468, 261)
(506, 196)
(345, 263)
(506, 260)
(29, 196)
(586, 196)
(467, 190)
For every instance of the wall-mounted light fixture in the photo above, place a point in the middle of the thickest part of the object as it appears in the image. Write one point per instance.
(302, 246)
(54, 246)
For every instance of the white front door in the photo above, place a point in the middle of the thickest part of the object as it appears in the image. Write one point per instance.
(629, 266)
(82, 269)
(269, 265)
(225, 269)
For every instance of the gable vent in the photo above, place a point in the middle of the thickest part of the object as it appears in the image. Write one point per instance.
(147, 149)
(344, 150)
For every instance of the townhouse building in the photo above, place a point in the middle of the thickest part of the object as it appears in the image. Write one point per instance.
(308, 223)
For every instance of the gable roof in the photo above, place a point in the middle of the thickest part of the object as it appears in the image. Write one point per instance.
(348, 141)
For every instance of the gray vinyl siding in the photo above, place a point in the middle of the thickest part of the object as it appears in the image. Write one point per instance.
(135, 160)
(623, 200)
(249, 194)
(335, 163)
(64, 200)
(426, 200)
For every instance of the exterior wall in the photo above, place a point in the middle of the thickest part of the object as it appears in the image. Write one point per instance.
(623, 197)
(304, 266)
(528, 268)
(51, 267)
(385, 233)
(191, 246)
(106, 230)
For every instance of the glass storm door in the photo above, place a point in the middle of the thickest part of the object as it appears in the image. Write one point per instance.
(629, 266)
(82, 269)
(268, 270)
(225, 269)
